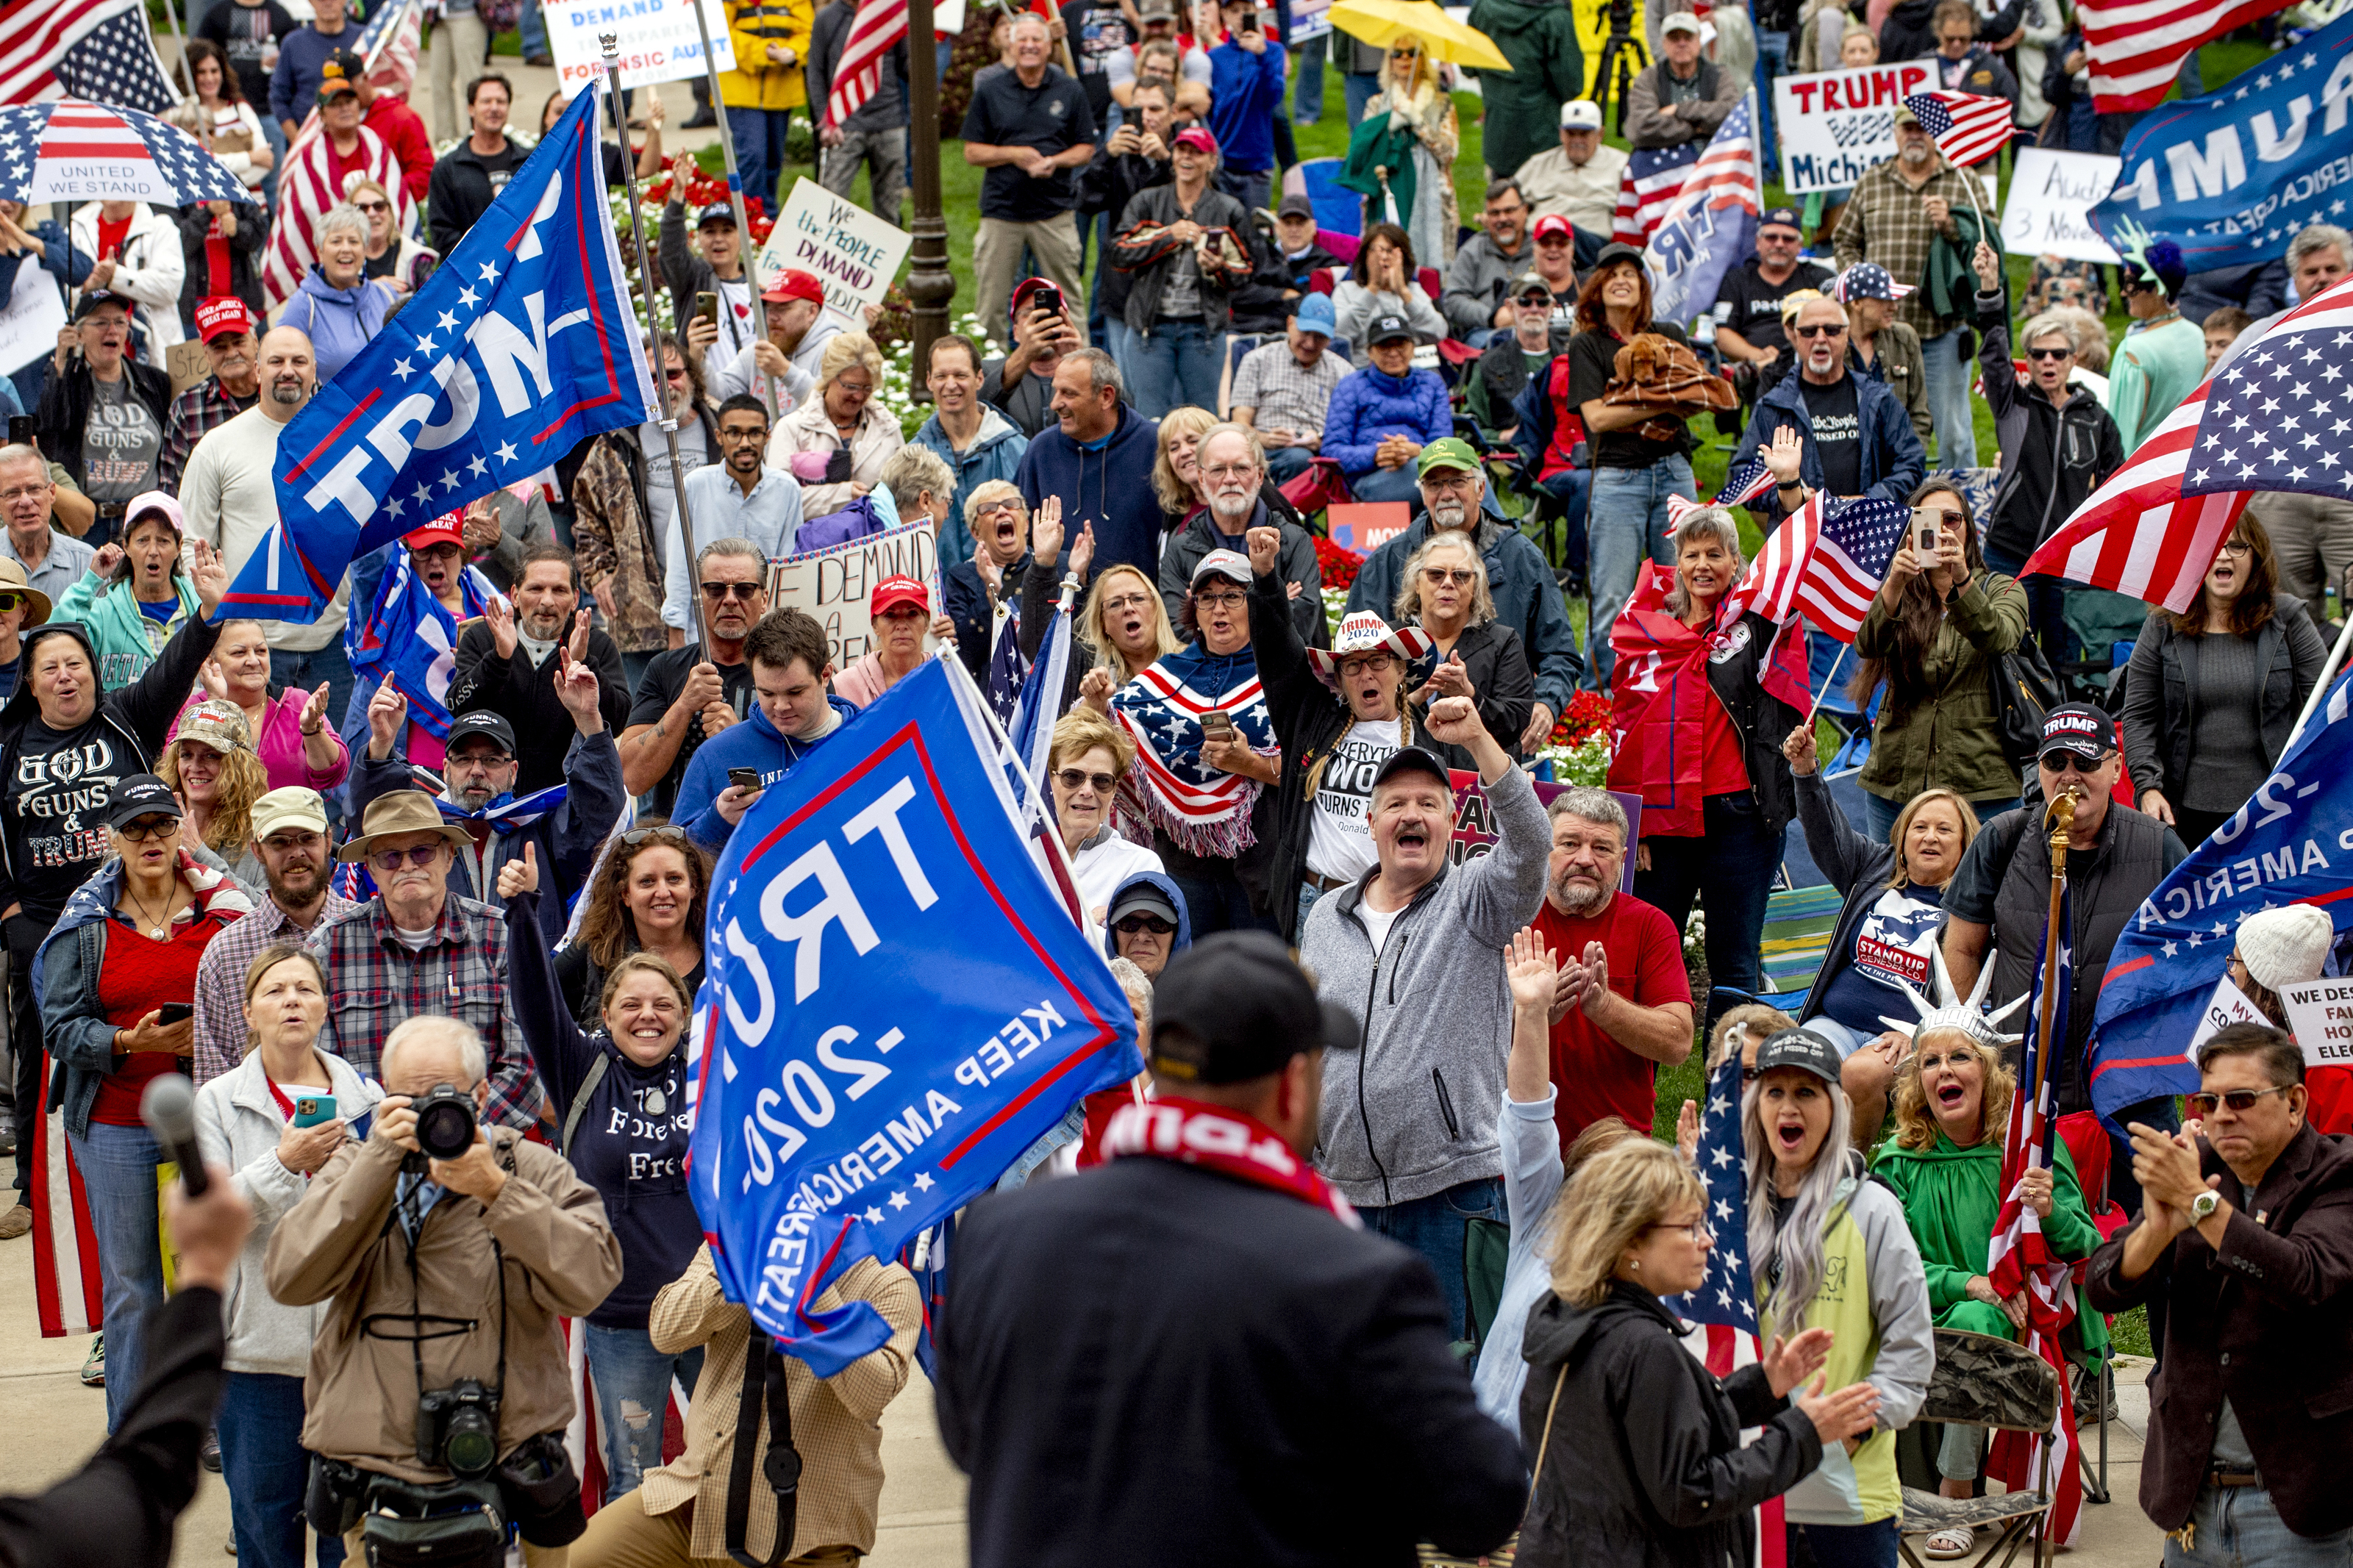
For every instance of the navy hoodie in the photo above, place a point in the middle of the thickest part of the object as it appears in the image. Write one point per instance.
(1109, 485)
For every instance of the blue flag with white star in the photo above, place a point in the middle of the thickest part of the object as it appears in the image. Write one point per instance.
(521, 344)
(1726, 1295)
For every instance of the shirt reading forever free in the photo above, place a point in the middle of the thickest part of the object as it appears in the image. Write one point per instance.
(121, 443)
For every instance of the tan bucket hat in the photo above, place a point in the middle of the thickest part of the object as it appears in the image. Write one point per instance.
(36, 603)
(402, 811)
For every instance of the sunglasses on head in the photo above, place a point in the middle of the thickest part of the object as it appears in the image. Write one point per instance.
(1078, 778)
(1132, 925)
(662, 832)
(415, 855)
(2239, 1100)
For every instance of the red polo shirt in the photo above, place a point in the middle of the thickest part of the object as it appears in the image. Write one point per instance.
(1596, 1076)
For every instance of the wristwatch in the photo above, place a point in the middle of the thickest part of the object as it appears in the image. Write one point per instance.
(2203, 1205)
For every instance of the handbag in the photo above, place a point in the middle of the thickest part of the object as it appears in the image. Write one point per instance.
(2024, 689)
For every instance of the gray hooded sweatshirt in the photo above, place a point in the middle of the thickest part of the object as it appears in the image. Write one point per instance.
(1413, 1112)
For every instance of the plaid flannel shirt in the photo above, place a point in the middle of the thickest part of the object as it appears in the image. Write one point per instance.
(1883, 223)
(1270, 381)
(203, 408)
(220, 979)
(373, 983)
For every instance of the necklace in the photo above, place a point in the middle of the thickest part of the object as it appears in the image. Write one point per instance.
(156, 929)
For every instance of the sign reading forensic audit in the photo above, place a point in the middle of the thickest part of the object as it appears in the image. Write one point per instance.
(658, 39)
(897, 1006)
(1835, 125)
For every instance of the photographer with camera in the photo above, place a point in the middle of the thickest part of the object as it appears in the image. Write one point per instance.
(449, 1250)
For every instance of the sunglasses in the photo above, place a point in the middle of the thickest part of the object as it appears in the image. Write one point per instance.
(746, 592)
(1135, 924)
(11, 602)
(372, 208)
(1460, 576)
(677, 372)
(2040, 354)
(2239, 1100)
(664, 832)
(2068, 761)
(1820, 329)
(1078, 778)
(415, 855)
(148, 827)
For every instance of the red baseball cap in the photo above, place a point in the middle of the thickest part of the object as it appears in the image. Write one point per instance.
(1552, 223)
(443, 530)
(222, 313)
(893, 592)
(1198, 138)
(793, 283)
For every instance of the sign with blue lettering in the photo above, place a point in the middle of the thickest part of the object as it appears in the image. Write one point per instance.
(2230, 177)
(2289, 844)
(658, 41)
(897, 1004)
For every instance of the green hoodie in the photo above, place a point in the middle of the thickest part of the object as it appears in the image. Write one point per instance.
(1522, 115)
(126, 640)
(1952, 1196)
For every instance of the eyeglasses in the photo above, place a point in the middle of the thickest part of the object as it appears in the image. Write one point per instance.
(1228, 471)
(1078, 778)
(1133, 924)
(1820, 330)
(480, 761)
(1128, 601)
(24, 492)
(664, 832)
(415, 855)
(2040, 354)
(287, 843)
(746, 592)
(1218, 601)
(1943, 518)
(148, 827)
(676, 372)
(1460, 576)
(1698, 1230)
(1363, 664)
(2230, 547)
(2239, 1100)
(996, 506)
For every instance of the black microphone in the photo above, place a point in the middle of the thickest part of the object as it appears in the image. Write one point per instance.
(169, 1109)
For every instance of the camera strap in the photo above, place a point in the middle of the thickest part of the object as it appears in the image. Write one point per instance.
(417, 1317)
(763, 1377)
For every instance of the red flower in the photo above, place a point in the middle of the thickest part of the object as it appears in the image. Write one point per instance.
(1588, 716)
(1339, 565)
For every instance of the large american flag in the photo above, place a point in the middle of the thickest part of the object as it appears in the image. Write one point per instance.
(1709, 226)
(1967, 127)
(1825, 561)
(74, 151)
(2277, 413)
(879, 24)
(2137, 45)
(1653, 179)
(98, 49)
(2018, 1257)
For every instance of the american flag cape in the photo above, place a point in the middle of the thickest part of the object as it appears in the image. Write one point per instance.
(1826, 561)
(1653, 179)
(412, 639)
(388, 49)
(1967, 127)
(2136, 47)
(1721, 1315)
(1205, 811)
(2020, 1258)
(98, 49)
(66, 1288)
(2268, 423)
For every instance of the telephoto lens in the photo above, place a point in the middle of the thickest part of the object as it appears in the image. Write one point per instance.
(445, 1122)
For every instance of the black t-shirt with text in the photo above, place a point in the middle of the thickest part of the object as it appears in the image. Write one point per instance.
(665, 677)
(1838, 434)
(1097, 31)
(1592, 361)
(1752, 307)
(1052, 117)
(250, 37)
(55, 805)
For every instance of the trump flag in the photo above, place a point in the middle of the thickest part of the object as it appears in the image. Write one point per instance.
(897, 1006)
(521, 345)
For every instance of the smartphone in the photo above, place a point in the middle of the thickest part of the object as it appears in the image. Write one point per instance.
(1218, 724)
(1924, 531)
(746, 779)
(20, 430)
(1046, 301)
(706, 306)
(174, 1012)
(1249, 20)
(310, 1109)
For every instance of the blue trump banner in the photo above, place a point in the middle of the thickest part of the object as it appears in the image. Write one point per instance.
(1710, 227)
(2292, 844)
(898, 1004)
(2230, 177)
(521, 345)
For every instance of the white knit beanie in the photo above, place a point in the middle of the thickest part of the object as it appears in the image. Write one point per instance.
(2285, 946)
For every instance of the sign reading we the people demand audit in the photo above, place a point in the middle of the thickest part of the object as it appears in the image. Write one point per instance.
(836, 584)
(1835, 125)
(853, 253)
(658, 41)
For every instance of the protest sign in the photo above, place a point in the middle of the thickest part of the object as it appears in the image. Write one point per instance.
(658, 38)
(2051, 197)
(1835, 125)
(1475, 832)
(1363, 526)
(29, 321)
(2320, 1016)
(2229, 1004)
(853, 253)
(897, 1006)
(2231, 177)
(834, 583)
(1310, 19)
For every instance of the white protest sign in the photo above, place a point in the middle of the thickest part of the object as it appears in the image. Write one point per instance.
(853, 253)
(1835, 125)
(836, 583)
(2320, 1015)
(2229, 1004)
(658, 41)
(2049, 192)
(30, 319)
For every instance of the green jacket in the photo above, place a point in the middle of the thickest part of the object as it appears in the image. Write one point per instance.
(1952, 1196)
(127, 641)
(1948, 737)
(1522, 119)
(1948, 284)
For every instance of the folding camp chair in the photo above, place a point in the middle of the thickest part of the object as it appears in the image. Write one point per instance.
(1985, 1381)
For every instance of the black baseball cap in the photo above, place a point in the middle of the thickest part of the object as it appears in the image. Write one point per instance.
(1619, 250)
(1802, 1049)
(480, 721)
(2078, 729)
(1387, 330)
(91, 299)
(141, 794)
(1141, 898)
(1780, 217)
(1234, 1007)
(1413, 759)
(1296, 206)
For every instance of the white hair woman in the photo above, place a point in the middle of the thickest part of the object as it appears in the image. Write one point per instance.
(337, 305)
(843, 419)
(1829, 1250)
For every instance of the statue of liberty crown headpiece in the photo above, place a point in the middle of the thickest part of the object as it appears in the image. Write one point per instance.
(1950, 1012)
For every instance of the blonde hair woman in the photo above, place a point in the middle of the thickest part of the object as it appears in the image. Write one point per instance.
(211, 766)
(1124, 628)
(1444, 591)
(1176, 474)
(1084, 769)
(1637, 1452)
(843, 417)
(1409, 130)
(400, 262)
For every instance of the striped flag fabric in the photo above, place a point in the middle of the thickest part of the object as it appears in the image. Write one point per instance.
(1745, 483)
(98, 49)
(873, 31)
(1653, 179)
(1967, 127)
(2268, 424)
(1709, 226)
(2137, 45)
(70, 150)
(387, 49)
(1825, 561)
(66, 1295)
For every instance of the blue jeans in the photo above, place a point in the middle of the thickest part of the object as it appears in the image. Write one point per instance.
(1729, 871)
(1360, 88)
(1880, 814)
(1850, 1545)
(1284, 464)
(266, 1467)
(633, 1383)
(1573, 489)
(1434, 1226)
(1386, 484)
(118, 1171)
(1218, 904)
(532, 30)
(1948, 402)
(1115, 340)
(1176, 363)
(277, 140)
(759, 136)
(1772, 60)
(2238, 1527)
(1248, 186)
(1628, 524)
(1307, 96)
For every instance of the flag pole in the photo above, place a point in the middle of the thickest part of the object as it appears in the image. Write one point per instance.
(2319, 688)
(611, 44)
(1827, 682)
(2061, 813)
(734, 178)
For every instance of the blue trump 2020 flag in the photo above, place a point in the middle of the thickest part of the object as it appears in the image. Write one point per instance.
(897, 1006)
(523, 344)
(2291, 844)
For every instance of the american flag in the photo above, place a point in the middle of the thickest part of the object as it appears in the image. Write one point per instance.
(1967, 127)
(99, 49)
(1746, 483)
(1709, 226)
(2137, 45)
(2268, 423)
(1653, 179)
(1825, 561)
(877, 25)
(73, 151)
(1722, 1311)
(2020, 1258)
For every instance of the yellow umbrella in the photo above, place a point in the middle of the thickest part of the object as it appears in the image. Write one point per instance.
(1383, 21)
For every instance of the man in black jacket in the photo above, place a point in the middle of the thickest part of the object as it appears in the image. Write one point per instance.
(471, 175)
(506, 662)
(1198, 1356)
(1132, 158)
(1233, 471)
(875, 136)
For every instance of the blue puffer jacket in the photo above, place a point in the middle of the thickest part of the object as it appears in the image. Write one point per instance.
(1370, 405)
(1894, 461)
(339, 321)
(995, 454)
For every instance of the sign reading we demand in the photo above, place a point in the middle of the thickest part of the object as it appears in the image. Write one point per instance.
(1835, 125)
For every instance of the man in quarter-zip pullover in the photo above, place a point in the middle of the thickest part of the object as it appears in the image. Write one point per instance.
(1415, 951)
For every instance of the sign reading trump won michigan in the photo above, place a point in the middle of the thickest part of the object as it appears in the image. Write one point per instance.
(898, 1004)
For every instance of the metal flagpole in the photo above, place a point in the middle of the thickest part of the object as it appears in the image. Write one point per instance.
(171, 14)
(726, 146)
(2319, 688)
(611, 43)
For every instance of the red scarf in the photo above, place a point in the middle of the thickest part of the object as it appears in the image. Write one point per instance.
(1226, 1141)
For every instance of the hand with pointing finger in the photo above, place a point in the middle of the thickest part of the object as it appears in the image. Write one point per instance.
(576, 688)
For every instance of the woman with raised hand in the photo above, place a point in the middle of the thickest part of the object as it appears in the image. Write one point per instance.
(298, 747)
(648, 896)
(135, 594)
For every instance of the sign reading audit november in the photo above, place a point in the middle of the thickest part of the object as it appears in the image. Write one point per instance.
(898, 1006)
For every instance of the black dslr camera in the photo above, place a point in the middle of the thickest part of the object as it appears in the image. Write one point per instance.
(458, 1427)
(445, 1122)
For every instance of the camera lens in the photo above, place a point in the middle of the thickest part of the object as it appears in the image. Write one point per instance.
(445, 1123)
(471, 1444)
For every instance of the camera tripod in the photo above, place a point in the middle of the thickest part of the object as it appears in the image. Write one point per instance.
(1624, 53)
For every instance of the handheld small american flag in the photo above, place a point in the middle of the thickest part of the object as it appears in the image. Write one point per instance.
(1745, 483)
(1825, 561)
(1967, 129)
(2269, 423)
(99, 49)
(1653, 179)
